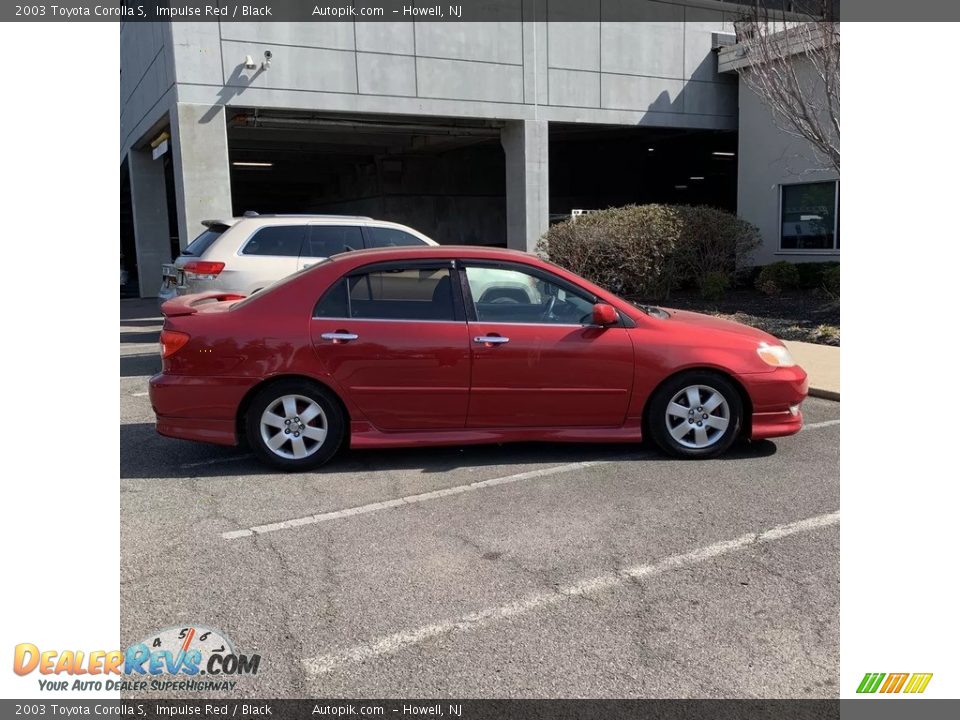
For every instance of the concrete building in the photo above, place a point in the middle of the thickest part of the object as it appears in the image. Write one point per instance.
(471, 132)
(784, 188)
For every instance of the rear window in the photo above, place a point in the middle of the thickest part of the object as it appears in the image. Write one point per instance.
(202, 242)
(417, 293)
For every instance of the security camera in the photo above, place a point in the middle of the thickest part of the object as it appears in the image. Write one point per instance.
(249, 64)
(267, 56)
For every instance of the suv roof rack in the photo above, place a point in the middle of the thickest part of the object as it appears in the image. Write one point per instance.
(251, 214)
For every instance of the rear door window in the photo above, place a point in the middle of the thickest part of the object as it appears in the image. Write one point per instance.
(276, 241)
(417, 293)
(378, 237)
(328, 240)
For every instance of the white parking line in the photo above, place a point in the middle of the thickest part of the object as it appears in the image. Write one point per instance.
(392, 643)
(825, 423)
(409, 499)
(414, 499)
(139, 394)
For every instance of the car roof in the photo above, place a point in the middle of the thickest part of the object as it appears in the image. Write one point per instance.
(230, 222)
(441, 252)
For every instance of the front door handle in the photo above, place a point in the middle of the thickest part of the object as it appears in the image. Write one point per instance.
(491, 339)
(340, 337)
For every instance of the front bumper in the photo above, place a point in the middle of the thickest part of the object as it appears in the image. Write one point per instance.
(198, 408)
(776, 397)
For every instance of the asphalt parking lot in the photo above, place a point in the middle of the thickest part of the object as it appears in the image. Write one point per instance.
(513, 571)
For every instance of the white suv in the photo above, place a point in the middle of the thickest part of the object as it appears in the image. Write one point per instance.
(248, 253)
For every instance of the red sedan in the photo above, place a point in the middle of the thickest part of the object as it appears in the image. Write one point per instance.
(460, 345)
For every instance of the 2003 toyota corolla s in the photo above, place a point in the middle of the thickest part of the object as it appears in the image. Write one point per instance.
(460, 345)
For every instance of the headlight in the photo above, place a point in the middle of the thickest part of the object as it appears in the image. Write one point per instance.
(776, 355)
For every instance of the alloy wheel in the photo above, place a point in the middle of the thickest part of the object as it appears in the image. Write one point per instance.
(697, 416)
(293, 427)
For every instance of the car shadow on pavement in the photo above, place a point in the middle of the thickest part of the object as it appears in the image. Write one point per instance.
(152, 336)
(145, 454)
(140, 309)
(145, 364)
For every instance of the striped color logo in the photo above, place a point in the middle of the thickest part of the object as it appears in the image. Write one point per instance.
(894, 682)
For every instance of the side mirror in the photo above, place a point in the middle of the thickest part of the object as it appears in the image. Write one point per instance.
(604, 315)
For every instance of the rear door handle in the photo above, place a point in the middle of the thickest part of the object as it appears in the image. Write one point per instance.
(491, 339)
(340, 337)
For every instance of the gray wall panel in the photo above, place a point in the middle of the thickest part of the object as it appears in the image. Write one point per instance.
(386, 74)
(470, 81)
(481, 41)
(574, 88)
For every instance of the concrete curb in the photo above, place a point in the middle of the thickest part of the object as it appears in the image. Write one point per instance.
(825, 394)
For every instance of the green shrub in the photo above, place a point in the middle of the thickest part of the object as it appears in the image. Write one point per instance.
(746, 277)
(714, 285)
(627, 250)
(831, 282)
(778, 276)
(812, 274)
(645, 250)
(711, 246)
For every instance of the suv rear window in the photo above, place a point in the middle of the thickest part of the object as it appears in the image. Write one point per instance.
(202, 242)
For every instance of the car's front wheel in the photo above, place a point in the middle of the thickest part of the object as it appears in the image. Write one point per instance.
(695, 414)
(294, 425)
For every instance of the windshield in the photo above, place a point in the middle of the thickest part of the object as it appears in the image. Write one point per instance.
(203, 241)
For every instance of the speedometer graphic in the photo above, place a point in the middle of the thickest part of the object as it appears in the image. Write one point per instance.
(184, 638)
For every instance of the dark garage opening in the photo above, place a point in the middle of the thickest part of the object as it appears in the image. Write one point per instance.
(445, 178)
(595, 167)
(129, 285)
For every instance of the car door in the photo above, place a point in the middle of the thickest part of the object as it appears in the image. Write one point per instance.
(536, 360)
(269, 254)
(394, 337)
(323, 241)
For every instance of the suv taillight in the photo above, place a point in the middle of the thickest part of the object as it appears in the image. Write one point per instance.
(171, 341)
(203, 269)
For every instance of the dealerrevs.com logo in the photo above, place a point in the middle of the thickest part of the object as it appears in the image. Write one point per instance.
(192, 658)
(910, 683)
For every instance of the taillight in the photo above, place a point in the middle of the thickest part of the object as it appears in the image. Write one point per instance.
(171, 341)
(203, 268)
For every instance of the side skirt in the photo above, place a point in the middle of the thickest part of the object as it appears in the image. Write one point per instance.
(363, 435)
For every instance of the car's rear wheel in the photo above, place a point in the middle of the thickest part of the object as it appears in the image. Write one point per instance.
(695, 414)
(294, 425)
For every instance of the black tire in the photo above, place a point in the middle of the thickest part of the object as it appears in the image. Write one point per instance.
(718, 441)
(332, 419)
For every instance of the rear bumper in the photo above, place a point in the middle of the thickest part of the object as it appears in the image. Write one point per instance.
(219, 432)
(167, 292)
(198, 408)
(776, 397)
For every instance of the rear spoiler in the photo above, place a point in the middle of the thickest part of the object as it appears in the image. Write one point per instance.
(218, 224)
(189, 304)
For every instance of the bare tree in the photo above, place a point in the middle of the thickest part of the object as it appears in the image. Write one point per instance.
(792, 63)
